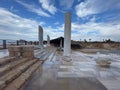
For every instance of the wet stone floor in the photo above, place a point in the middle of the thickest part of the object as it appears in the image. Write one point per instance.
(81, 74)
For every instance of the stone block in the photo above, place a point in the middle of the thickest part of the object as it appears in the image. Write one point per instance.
(28, 48)
(28, 55)
(2, 85)
(23, 51)
(14, 48)
(103, 63)
(67, 60)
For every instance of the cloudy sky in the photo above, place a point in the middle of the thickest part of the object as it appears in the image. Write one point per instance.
(94, 19)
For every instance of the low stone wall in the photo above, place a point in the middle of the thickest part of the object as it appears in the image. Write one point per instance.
(21, 51)
(101, 45)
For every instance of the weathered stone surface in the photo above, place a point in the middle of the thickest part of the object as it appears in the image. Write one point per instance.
(103, 63)
(2, 84)
(23, 51)
(20, 81)
(14, 48)
(67, 34)
(11, 65)
(13, 74)
(27, 48)
(48, 40)
(4, 61)
(66, 59)
(40, 36)
(28, 54)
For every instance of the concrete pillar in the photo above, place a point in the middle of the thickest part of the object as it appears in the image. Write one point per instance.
(67, 34)
(40, 36)
(48, 40)
(4, 44)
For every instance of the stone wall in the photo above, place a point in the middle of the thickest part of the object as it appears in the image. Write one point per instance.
(101, 45)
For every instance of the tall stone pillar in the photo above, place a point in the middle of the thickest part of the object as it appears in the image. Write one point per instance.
(40, 36)
(48, 40)
(67, 34)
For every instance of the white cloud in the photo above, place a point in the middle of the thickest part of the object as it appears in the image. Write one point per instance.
(33, 8)
(12, 25)
(48, 5)
(56, 23)
(15, 27)
(66, 4)
(89, 7)
(96, 31)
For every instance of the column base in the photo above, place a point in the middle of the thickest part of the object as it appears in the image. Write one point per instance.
(66, 60)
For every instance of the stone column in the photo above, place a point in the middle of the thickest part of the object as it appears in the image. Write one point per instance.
(61, 43)
(40, 36)
(17, 42)
(67, 34)
(25, 42)
(4, 44)
(48, 40)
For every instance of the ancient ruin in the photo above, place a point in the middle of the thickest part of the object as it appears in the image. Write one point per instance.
(48, 40)
(40, 36)
(67, 34)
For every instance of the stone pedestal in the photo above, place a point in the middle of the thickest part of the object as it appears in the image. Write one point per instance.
(21, 51)
(28, 52)
(66, 60)
(14, 51)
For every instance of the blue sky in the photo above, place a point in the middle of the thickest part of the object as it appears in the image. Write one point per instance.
(94, 19)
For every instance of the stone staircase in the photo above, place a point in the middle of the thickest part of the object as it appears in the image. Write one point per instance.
(14, 72)
(42, 54)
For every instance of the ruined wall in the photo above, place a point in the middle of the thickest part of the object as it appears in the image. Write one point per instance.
(101, 45)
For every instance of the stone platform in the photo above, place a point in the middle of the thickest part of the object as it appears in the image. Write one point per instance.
(49, 79)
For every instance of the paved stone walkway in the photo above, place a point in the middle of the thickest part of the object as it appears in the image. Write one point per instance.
(49, 78)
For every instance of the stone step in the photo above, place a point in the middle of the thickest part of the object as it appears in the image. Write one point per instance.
(13, 74)
(4, 61)
(40, 55)
(52, 55)
(11, 65)
(20, 81)
(37, 50)
(45, 56)
(40, 52)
